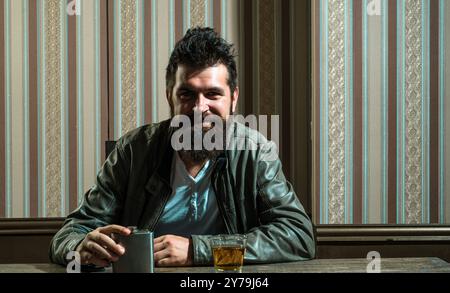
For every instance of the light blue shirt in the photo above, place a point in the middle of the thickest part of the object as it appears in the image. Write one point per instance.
(192, 207)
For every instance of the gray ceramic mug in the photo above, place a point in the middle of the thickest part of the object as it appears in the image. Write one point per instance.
(138, 256)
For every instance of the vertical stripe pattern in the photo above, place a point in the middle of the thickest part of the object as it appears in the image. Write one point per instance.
(33, 107)
(433, 126)
(2, 109)
(442, 128)
(26, 112)
(348, 189)
(17, 105)
(412, 99)
(374, 137)
(446, 106)
(357, 112)
(73, 88)
(7, 33)
(54, 100)
(336, 113)
(390, 147)
(63, 75)
(384, 111)
(315, 129)
(70, 82)
(128, 64)
(266, 57)
(392, 113)
(79, 113)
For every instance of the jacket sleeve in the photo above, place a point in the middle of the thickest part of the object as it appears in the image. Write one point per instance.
(285, 232)
(100, 206)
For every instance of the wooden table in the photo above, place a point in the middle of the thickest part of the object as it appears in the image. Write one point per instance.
(388, 265)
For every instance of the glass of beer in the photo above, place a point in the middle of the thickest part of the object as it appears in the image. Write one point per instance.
(228, 252)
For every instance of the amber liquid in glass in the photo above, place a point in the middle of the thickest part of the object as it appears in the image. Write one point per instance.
(228, 258)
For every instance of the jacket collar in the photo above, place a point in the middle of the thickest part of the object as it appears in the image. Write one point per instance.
(163, 156)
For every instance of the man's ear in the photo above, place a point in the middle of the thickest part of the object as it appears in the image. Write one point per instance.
(234, 99)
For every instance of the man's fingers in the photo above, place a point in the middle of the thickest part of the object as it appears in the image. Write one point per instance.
(165, 262)
(100, 252)
(114, 229)
(88, 258)
(108, 243)
(99, 249)
(160, 255)
(171, 250)
(85, 257)
(159, 239)
(159, 246)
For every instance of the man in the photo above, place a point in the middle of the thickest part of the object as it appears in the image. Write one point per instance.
(185, 196)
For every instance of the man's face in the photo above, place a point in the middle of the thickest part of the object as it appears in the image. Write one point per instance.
(202, 90)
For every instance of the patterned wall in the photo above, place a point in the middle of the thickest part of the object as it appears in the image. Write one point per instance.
(72, 82)
(68, 83)
(381, 111)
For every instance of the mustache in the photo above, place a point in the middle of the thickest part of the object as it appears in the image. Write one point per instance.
(203, 120)
(192, 116)
(199, 123)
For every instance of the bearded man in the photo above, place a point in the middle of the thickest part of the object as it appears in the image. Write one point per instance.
(186, 195)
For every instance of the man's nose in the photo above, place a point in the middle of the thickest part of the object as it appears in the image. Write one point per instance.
(201, 103)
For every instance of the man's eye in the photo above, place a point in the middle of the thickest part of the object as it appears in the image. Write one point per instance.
(185, 96)
(213, 94)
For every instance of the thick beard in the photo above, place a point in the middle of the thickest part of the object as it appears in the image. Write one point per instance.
(199, 156)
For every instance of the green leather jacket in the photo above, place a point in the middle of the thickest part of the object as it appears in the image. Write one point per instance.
(253, 196)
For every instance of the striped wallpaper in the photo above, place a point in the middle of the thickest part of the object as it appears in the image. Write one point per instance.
(69, 83)
(381, 111)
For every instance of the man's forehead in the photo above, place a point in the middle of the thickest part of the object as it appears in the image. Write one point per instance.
(217, 71)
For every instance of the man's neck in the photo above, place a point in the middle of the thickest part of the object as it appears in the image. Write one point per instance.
(192, 167)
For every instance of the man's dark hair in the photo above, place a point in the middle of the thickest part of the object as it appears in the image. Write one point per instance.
(201, 48)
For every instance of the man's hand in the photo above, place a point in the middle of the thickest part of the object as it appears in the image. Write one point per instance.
(99, 249)
(171, 250)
